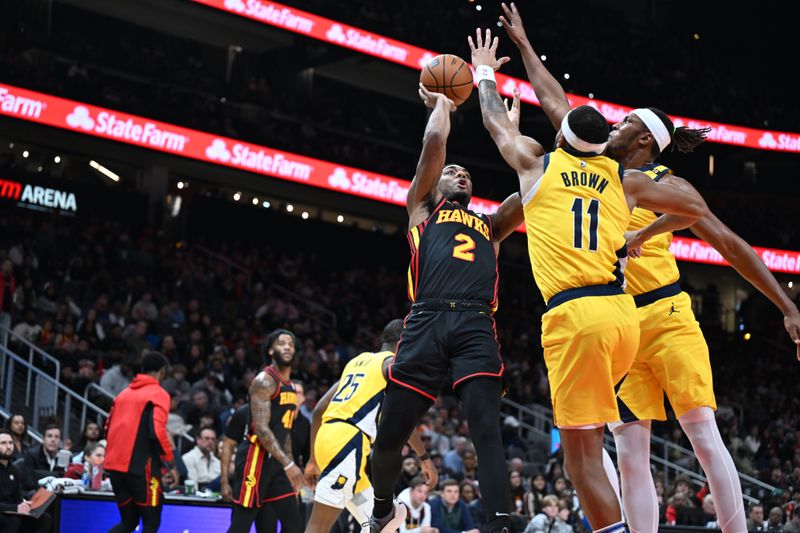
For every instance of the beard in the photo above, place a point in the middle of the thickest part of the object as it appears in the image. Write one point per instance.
(280, 361)
(461, 197)
(6, 456)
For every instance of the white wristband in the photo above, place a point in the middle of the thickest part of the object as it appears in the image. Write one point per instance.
(484, 72)
(287, 467)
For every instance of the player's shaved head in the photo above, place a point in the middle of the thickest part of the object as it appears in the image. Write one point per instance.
(392, 331)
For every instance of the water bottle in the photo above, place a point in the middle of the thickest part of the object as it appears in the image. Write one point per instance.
(86, 477)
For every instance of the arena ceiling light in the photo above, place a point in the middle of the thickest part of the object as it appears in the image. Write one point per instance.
(104, 171)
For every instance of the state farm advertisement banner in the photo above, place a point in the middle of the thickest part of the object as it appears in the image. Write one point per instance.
(698, 251)
(324, 29)
(138, 131)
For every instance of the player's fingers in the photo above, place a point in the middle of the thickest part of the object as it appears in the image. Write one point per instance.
(514, 8)
(515, 102)
(493, 47)
(471, 44)
(478, 37)
(506, 11)
(502, 61)
(505, 103)
(488, 36)
(505, 23)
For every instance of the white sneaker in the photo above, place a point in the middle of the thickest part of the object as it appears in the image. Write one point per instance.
(391, 522)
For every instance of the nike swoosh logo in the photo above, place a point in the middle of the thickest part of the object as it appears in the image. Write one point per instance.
(502, 514)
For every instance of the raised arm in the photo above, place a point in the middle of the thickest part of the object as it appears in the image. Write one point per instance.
(312, 469)
(522, 153)
(262, 389)
(736, 251)
(434, 149)
(661, 197)
(548, 90)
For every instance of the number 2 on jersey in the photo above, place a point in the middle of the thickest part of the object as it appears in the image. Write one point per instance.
(352, 381)
(463, 251)
(577, 223)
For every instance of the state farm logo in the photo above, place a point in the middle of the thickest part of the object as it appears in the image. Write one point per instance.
(127, 128)
(218, 151)
(425, 59)
(258, 159)
(235, 5)
(339, 179)
(509, 86)
(370, 186)
(336, 34)
(767, 141)
(271, 14)
(22, 106)
(80, 118)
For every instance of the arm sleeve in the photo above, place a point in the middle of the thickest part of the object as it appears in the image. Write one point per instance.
(160, 413)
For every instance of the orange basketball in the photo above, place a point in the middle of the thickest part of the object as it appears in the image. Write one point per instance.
(450, 75)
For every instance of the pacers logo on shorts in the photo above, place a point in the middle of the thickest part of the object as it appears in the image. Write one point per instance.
(250, 481)
(339, 483)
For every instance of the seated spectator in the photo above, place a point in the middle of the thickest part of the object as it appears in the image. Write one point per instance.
(775, 520)
(177, 385)
(18, 427)
(92, 465)
(548, 521)
(793, 525)
(42, 460)
(448, 513)
(710, 514)
(201, 464)
(90, 435)
(516, 494)
(116, 378)
(11, 494)
(476, 510)
(534, 497)
(410, 470)
(418, 519)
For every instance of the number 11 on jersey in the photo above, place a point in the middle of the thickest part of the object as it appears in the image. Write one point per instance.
(577, 223)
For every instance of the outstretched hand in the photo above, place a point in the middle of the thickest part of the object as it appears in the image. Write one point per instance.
(485, 53)
(512, 22)
(513, 110)
(792, 324)
(430, 98)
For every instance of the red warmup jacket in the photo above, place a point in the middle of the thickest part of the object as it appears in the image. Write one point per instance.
(136, 428)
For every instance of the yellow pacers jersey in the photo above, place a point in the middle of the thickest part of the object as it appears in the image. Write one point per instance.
(656, 267)
(576, 220)
(360, 393)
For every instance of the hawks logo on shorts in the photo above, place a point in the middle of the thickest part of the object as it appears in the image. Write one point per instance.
(339, 483)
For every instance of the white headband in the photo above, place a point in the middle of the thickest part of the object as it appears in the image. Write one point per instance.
(656, 127)
(578, 143)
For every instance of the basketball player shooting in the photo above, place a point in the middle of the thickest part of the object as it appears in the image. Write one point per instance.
(450, 331)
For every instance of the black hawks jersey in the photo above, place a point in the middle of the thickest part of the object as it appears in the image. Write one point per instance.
(282, 407)
(453, 257)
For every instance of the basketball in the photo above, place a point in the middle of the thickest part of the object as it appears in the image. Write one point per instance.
(450, 75)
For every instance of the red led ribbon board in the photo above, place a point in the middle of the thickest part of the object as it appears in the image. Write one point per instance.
(339, 34)
(143, 132)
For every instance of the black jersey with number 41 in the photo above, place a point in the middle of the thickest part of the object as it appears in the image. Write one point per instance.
(453, 257)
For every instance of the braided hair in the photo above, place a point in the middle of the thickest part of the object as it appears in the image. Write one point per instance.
(682, 138)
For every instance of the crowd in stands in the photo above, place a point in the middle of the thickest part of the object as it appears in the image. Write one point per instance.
(97, 293)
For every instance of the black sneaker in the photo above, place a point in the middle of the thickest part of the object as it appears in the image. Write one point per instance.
(391, 522)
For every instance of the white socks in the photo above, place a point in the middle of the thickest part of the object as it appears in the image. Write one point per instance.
(701, 428)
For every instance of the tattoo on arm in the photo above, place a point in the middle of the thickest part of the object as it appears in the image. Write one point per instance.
(287, 447)
(490, 98)
(261, 391)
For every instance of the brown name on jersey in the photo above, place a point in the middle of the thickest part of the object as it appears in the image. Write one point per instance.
(584, 179)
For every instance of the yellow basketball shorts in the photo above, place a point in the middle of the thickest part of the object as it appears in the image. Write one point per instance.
(589, 344)
(673, 358)
(341, 451)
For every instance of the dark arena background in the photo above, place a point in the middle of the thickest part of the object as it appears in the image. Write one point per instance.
(187, 176)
